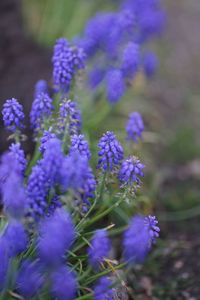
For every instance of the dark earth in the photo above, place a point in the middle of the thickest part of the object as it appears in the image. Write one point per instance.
(173, 269)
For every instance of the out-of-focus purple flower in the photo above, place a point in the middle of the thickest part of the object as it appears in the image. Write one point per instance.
(130, 59)
(70, 117)
(138, 238)
(52, 161)
(103, 290)
(131, 171)
(29, 279)
(41, 108)
(64, 284)
(19, 156)
(115, 85)
(41, 87)
(80, 145)
(13, 115)
(56, 234)
(111, 151)
(99, 249)
(16, 238)
(47, 135)
(13, 196)
(4, 259)
(66, 60)
(95, 77)
(150, 63)
(134, 126)
(89, 187)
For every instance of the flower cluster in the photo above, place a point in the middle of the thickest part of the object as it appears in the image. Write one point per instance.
(115, 41)
(58, 207)
(66, 60)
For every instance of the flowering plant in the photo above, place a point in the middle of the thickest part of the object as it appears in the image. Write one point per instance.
(56, 225)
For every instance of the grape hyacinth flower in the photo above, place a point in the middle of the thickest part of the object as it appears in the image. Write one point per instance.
(80, 145)
(41, 87)
(29, 279)
(47, 135)
(19, 156)
(41, 108)
(138, 238)
(150, 64)
(103, 290)
(37, 190)
(115, 85)
(16, 238)
(135, 126)
(13, 115)
(64, 284)
(13, 196)
(56, 236)
(130, 171)
(99, 249)
(66, 60)
(111, 152)
(70, 116)
(130, 60)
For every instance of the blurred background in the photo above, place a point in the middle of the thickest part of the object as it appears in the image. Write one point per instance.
(169, 103)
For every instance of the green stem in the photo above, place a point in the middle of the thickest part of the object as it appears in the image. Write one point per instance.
(86, 297)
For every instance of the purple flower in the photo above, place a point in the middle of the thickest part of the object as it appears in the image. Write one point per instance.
(4, 259)
(95, 77)
(135, 126)
(130, 171)
(115, 85)
(111, 151)
(66, 60)
(19, 156)
(103, 290)
(13, 115)
(13, 196)
(54, 204)
(41, 87)
(130, 60)
(29, 279)
(99, 249)
(37, 190)
(64, 284)
(70, 116)
(150, 63)
(16, 238)
(138, 238)
(41, 108)
(52, 161)
(80, 145)
(47, 135)
(56, 236)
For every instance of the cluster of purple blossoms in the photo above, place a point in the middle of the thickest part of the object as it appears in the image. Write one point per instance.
(150, 64)
(99, 249)
(130, 171)
(66, 60)
(111, 152)
(18, 153)
(134, 126)
(138, 238)
(115, 40)
(56, 234)
(70, 117)
(80, 145)
(41, 108)
(13, 115)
